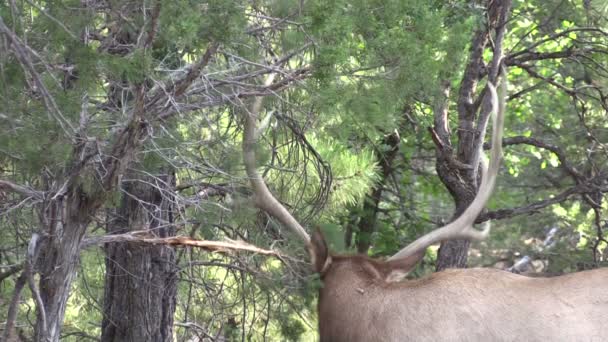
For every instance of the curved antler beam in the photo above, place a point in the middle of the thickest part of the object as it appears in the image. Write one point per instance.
(263, 198)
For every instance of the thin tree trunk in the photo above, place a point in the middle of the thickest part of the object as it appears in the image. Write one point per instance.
(459, 172)
(66, 219)
(140, 285)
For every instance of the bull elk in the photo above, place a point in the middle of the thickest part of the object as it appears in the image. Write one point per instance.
(363, 299)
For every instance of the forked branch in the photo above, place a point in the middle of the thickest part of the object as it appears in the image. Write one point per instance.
(462, 227)
(263, 198)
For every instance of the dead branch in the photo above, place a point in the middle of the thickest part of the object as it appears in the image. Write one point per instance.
(177, 88)
(19, 189)
(144, 236)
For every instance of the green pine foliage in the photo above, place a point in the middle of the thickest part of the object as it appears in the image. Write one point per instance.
(363, 64)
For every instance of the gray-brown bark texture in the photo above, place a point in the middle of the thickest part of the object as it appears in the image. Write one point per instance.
(141, 279)
(459, 172)
(65, 215)
(59, 260)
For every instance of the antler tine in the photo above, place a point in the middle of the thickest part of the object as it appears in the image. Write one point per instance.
(263, 198)
(462, 227)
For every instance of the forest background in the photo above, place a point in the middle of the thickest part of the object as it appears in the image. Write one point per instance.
(121, 127)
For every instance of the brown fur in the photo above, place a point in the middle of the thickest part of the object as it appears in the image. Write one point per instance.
(358, 303)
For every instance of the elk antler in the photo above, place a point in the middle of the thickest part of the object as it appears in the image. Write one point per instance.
(462, 227)
(263, 198)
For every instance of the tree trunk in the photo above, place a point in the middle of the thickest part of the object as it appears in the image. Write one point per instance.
(65, 219)
(65, 215)
(459, 172)
(462, 187)
(367, 223)
(140, 285)
(453, 254)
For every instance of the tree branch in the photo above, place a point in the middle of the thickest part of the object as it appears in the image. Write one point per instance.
(539, 56)
(549, 80)
(153, 25)
(28, 67)
(20, 189)
(559, 153)
(535, 206)
(555, 36)
(144, 236)
(10, 271)
(32, 255)
(178, 87)
(13, 308)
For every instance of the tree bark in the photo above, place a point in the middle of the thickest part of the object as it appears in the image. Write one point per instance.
(69, 208)
(459, 172)
(66, 220)
(141, 280)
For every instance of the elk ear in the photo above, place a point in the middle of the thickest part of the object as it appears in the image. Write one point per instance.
(321, 259)
(399, 268)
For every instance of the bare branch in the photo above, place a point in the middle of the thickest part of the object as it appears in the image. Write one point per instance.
(32, 254)
(211, 101)
(559, 153)
(144, 236)
(179, 87)
(555, 36)
(549, 80)
(536, 206)
(539, 56)
(20, 189)
(28, 66)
